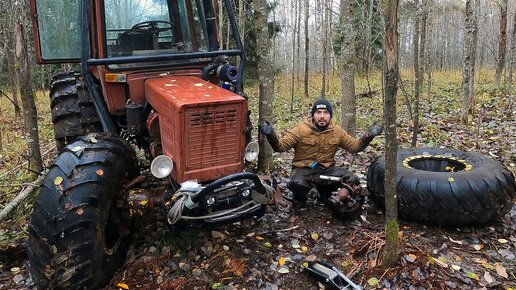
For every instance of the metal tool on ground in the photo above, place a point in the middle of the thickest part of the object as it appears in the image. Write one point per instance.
(331, 276)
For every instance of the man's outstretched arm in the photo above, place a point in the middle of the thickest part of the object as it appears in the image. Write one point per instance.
(286, 142)
(354, 145)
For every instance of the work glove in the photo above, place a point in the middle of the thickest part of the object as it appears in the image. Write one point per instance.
(266, 128)
(374, 130)
(268, 131)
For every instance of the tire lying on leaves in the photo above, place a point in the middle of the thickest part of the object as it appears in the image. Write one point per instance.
(77, 236)
(446, 187)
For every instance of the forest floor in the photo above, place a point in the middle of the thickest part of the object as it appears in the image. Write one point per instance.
(269, 252)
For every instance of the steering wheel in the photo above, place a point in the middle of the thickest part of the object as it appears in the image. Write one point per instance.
(152, 26)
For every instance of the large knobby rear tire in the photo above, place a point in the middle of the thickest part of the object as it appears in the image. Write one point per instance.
(77, 236)
(446, 187)
(72, 108)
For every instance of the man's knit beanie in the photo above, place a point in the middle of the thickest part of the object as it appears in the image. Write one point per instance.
(322, 104)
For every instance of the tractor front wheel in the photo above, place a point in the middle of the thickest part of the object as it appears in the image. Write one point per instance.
(77, 235)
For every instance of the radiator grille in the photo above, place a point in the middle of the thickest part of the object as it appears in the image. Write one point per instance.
(212, 136)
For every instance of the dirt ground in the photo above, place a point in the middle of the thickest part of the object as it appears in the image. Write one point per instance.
(250, 254)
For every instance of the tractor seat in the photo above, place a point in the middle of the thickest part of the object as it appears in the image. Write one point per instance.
(130, 41)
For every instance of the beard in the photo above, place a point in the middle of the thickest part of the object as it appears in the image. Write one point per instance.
(321, 127)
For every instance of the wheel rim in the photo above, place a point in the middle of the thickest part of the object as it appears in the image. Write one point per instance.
(437, 163)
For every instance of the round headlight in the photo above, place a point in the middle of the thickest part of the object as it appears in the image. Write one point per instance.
(162, 166)
(251, 151)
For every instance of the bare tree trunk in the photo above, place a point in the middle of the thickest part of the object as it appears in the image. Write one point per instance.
(391, 74)
(468, 75)
(512, 59)
(11, 70)
(293, 73)
(349, 102)
(417, 74)
(30, 115)
(221, 25)
(266, 78)
(298, 37)
(502, 42)
(426, 42)
(325, 45)
(307, 46)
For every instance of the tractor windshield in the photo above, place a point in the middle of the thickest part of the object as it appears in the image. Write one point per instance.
(153, 27)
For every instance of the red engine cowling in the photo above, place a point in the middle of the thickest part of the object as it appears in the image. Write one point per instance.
(202, 126)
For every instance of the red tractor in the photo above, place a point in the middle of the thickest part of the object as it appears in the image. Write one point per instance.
(156, 117)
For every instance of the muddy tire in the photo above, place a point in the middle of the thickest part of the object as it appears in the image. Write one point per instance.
(446, 187)
(73, 110)
(77, 236)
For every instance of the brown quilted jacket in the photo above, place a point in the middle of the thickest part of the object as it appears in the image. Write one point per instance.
(311, 145)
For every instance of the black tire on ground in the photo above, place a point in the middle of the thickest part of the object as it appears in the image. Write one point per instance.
(77, 236)
(446, 187)
(73, 110)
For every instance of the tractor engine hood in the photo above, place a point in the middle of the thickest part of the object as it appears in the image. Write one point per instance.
(202, 126)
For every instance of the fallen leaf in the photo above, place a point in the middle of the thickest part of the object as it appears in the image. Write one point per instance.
(410, 257)
(480, 260)
(373, 281)
(267, 245)
(226, 248)
(503, 241)
(304, 248)
(315, 236)
(250, 235)
(258, 238)
(441, 262)
(122, 286)
(305, 264)
(15, 270)
(489, 278)
(58, 180)
(283, 270)
(76, 148)
(93, 140)
(487, 266)
(456, 241)
(472, 275)
(311, 258)
(450, 179)
(478, 247)
(345, 264)
(456, 267)
(281, 261)
(500, 270)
